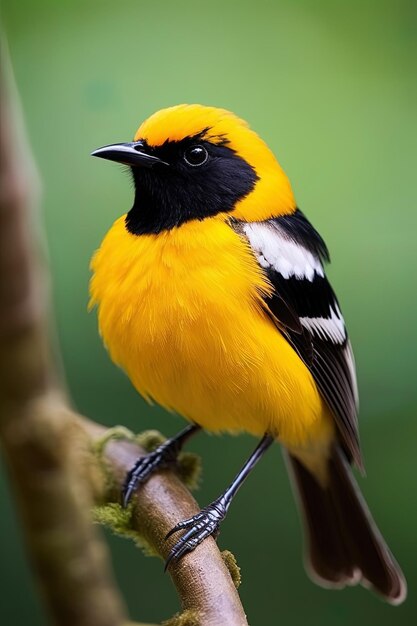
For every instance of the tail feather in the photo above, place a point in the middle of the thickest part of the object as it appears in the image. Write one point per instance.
(344, 545)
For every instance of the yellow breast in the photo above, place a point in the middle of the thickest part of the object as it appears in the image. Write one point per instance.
(181, 312)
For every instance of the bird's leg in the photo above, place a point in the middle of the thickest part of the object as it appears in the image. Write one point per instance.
(162, 456)
(207, 522)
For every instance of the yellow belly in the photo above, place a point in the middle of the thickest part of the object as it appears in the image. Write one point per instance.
(181, 312)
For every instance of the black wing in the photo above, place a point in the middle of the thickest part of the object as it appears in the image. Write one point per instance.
(292, 254)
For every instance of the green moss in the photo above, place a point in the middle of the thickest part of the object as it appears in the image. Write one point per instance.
(187, 618)
(234, 569)
(117, 433)
(150, 439)
(119, 521)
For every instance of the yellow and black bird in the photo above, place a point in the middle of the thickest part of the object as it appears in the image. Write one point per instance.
(212, 296)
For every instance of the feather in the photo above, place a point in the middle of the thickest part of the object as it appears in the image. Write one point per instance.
(292, 253)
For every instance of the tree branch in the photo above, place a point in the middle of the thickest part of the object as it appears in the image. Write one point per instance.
(202, 579)
(48, 448)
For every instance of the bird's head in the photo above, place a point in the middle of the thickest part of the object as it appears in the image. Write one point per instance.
(191, 162)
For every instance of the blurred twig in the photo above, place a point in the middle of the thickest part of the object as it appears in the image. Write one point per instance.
(48, 447)
(67, 554)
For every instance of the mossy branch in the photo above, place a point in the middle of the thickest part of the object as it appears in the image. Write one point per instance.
(52, 453)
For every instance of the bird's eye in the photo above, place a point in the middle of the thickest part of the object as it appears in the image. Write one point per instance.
(195, 155)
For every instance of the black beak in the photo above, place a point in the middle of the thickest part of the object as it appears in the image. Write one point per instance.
(128, 153)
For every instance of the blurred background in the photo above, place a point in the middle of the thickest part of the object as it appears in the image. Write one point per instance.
(332, 87)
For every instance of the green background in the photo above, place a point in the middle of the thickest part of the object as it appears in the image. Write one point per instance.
(332, 87)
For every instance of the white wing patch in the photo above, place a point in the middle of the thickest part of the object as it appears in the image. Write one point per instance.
(273, 248)
(332, 327)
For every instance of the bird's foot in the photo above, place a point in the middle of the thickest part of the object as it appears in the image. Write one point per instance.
(163, 456)
(198, 527)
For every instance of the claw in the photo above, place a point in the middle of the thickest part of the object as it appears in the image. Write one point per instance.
(127, 494)
(186, 544)
(171, 556)
(144, 468)
(163, 456)
(200, 526)
(180, 526)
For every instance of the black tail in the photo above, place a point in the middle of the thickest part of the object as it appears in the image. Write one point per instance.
(344, 546)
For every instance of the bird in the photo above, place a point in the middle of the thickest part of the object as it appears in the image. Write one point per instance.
(211, 295)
